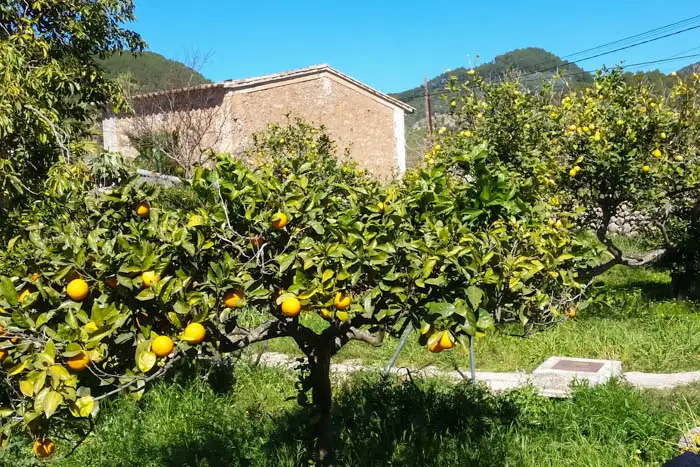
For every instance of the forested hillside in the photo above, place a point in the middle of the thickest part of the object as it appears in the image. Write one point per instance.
(150, 71)
(527, 61)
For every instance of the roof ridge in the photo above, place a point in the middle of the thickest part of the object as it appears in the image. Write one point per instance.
(284, 75)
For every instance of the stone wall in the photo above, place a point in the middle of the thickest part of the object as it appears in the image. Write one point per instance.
(354, 120)
(370, 128)
(626, 222)
(629, 222)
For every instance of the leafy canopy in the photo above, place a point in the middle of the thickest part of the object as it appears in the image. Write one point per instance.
(451, 248)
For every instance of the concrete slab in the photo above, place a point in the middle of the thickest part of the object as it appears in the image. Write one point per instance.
(661, 380)
(554, 377)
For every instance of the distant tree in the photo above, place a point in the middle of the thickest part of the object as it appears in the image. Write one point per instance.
(52, 84)
(176, 131)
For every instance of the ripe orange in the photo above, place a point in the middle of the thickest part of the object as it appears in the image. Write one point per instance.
(35, 277)
(646, 169)
(291, 307)
(325, 314)
(3, 354)
(341, 301)
(77, 289)
(446, 341)
(112, 282)
(162, 346)
(656, 153)
(194, 333)
(435, 346)
(43, 448)
(23, 295)
(79, 361)
(143, 209)
(150, 277)
(232, 298)
(279, 220)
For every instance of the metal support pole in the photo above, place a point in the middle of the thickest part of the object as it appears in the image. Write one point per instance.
(472, 363)
(408, 331)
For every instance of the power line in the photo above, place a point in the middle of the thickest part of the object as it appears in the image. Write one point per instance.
(626, 40)
(631, 65)
(614, 50)
(637, 36)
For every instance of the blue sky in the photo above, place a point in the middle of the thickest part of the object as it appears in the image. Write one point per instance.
(391, 45)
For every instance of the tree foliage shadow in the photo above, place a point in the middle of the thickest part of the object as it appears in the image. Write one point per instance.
(380, 424)
(652, 290)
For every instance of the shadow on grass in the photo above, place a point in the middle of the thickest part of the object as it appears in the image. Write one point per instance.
(404, 424)
(649, 289)
(376, 425)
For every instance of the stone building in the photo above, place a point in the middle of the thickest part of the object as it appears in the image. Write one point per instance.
(222, 116)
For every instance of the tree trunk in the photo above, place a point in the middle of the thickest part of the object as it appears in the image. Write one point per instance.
(322, 400)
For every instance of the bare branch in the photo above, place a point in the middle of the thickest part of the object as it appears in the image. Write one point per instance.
(146, 379)
(588, 273)
(365, 336)
(241, 338)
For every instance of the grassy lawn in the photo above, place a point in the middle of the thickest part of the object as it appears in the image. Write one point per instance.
(640, 325)
(256, 422)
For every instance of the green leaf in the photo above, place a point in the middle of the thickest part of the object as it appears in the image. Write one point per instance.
(443, 309)
(83, 407)
(17, 369)
(7, 289)
(342, 275)
(12, 242)
(485, 322)
(174, 319)
(195, 220)
(318, 228)
(50, 350)
(327, 274)
(145, 295)
(51, 402)
(181, 307)
(285, 261)
(26, 386)
(428, 267)
(59, 373)
(475, 295)
(71, 321)
(146, 360)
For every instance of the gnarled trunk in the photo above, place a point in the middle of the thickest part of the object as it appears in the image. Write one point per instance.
(322, 399)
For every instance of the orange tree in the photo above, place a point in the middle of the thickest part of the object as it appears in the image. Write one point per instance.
(53, 87)
(113, 290)
(611, 147)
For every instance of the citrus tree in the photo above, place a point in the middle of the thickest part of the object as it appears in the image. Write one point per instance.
(614, 145)
(52, 87)
(116, 290)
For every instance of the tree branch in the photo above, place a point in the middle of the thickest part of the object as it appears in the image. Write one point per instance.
(241, 338)
(365, 336)
(589, 273)
(155, 375)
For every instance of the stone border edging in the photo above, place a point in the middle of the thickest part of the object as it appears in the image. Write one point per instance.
(497, 381)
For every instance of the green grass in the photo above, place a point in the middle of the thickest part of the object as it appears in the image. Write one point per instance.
(189, 423)
(639, 325)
